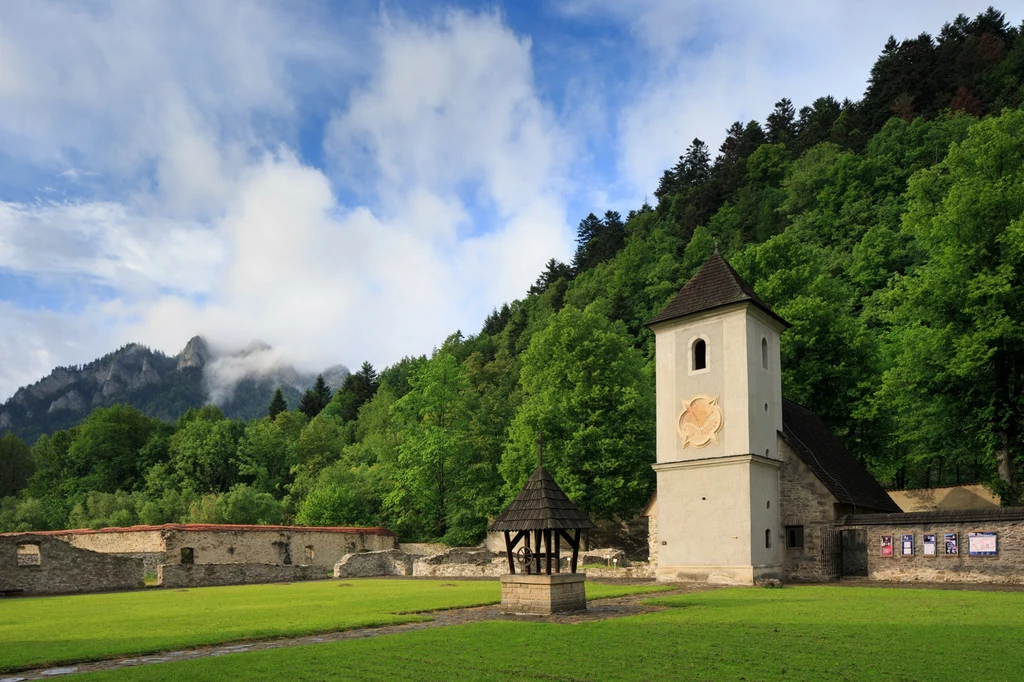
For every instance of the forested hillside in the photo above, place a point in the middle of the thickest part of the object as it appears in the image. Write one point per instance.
(889, 232)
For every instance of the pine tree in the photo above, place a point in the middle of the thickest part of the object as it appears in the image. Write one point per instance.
(781, 123)
(315, 399)
(277, 404)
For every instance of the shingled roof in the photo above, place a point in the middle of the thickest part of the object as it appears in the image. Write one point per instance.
(716, 284)
(541, 505)
(824, 454)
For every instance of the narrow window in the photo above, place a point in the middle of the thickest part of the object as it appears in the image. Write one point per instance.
(28, 555)
(700, 354)
(794, 537)
(188, 555)
(309, 553)
(768, 538)
(764, 352)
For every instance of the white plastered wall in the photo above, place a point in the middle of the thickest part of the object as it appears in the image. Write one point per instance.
(713, 501)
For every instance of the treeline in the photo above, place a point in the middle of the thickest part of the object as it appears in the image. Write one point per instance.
(889, 232)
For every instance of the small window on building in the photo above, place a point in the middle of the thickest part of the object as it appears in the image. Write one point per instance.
(764, 352)
(28, 555)
(768, 538)
(794, 537)
(188, 555)
(700, 354)
(309, 553)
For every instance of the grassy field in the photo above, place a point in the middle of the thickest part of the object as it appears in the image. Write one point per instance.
(798, 633)
(50, 630)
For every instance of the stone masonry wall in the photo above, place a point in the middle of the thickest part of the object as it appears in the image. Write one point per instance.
(370, 564)
(803, 501)
(1006, 567)
(209, 575)
(63, 568)
(282, 547)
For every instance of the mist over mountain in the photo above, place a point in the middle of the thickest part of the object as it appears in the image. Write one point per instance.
(240, 382)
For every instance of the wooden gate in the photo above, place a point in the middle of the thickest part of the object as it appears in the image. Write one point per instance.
(831, 554)
(855, 552)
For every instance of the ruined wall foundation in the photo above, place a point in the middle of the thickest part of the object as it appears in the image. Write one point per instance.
(40, 564)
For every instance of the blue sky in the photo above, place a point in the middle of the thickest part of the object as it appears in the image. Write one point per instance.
(351, 181)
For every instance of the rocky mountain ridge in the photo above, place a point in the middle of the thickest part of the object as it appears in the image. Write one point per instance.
(159, 385)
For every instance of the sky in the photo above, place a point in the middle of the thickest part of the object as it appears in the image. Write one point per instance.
(356, 181)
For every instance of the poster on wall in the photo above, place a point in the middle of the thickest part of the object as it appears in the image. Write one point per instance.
(951, 543)
(907, 546)
(981, 544)
(929, 544)
(886, 545)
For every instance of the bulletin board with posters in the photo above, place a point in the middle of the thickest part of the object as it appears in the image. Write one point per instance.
(886, 549)
(952, 543)
(907, 545)
(982, 544)
(928, 544)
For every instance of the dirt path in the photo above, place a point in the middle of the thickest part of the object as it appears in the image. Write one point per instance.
(597, 609)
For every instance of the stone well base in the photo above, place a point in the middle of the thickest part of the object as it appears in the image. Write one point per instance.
(543, 594)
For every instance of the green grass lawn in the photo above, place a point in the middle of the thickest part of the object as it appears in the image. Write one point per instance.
(50, 630)
(797, 633)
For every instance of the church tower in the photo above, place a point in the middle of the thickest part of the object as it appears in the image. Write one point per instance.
(719, 413)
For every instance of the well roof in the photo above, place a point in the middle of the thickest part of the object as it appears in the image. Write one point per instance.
(716, 284)
(823, 453)
(541, 505)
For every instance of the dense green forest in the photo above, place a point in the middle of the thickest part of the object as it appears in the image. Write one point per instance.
(889, 232)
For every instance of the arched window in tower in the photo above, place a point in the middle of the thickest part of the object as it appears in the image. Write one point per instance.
(700, 354)
(768, 538)
(764, 352)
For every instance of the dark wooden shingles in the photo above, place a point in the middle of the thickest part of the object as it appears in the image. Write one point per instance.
(716, 284)
(824, 454)
(541, 505)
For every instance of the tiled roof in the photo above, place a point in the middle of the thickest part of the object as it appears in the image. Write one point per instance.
(540, 505)
(200, 527)
(945, 516)
(824, 454)
(716, 284)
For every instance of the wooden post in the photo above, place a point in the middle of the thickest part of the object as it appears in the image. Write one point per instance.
(576, 550)
(508, 551)
(547, 551)
(558, 552)
(536, 548)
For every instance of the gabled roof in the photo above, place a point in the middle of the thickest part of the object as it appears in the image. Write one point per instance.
(993, 515)
(845, 477)
(541, 505)
(716, 284)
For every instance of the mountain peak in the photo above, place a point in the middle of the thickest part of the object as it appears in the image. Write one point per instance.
(195, 354)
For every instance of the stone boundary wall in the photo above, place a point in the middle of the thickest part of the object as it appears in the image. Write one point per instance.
(63, 569)
(283, 545)
(422, 548)
(372, 564)
(212, 575)
(462, 562)
(1005, 567)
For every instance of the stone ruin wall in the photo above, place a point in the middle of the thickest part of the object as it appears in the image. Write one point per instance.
(211, 575)
(62, 568)
(1005, 567)
(145, 545)
(277, 547)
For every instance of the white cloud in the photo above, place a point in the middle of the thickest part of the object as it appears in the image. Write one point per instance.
(235, 245)
(711, 63)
